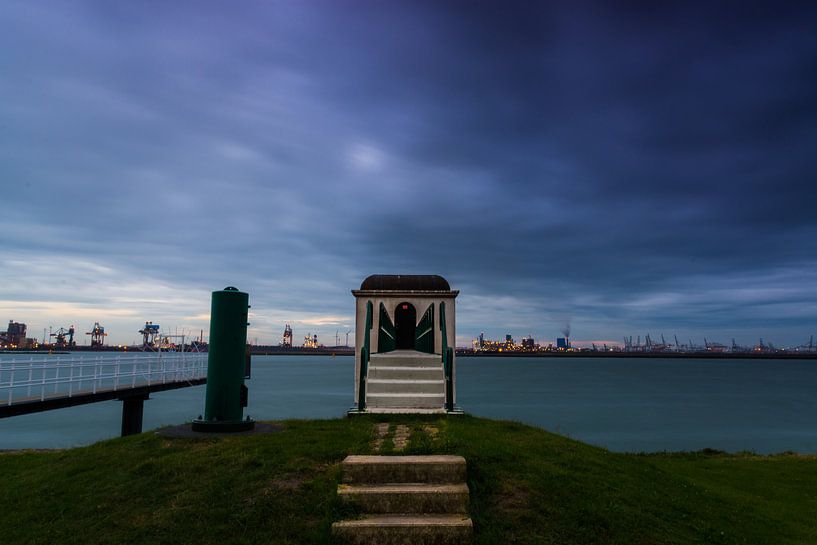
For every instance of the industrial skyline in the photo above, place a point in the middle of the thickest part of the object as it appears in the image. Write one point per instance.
(623, 169)
(18, 336)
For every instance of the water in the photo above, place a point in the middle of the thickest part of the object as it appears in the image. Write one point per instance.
(622, 404)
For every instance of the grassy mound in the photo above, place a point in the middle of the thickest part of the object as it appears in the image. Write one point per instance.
(527, 486)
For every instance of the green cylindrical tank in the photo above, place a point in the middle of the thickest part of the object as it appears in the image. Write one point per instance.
(223, 406)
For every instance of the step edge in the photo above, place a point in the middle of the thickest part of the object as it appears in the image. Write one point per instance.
(404, 488)
(407, 521)
(405, 458)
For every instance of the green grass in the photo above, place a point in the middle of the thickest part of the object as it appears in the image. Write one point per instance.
(527, 486)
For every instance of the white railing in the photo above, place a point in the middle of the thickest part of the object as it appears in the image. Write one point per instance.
(46, 377)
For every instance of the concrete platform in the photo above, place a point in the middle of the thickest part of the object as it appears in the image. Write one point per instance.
(406, 400)
(185, 431)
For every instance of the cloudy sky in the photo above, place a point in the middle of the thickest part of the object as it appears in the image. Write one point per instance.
(624, 169)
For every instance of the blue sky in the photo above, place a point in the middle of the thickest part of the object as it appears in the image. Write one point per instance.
(626, 170)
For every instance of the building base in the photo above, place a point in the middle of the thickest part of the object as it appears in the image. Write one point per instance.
(214, 426)
(402, 410)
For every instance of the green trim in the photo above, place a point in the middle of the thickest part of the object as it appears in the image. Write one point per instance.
(448, 362)
(424, 336)
(364, 359)
(386, 333)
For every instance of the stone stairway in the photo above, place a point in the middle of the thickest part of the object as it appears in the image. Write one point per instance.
(405, 381)
(406, 500)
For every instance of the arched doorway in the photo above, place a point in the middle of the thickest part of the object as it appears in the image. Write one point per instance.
(405, 322)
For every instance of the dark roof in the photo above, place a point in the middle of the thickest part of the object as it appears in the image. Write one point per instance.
(405, 282)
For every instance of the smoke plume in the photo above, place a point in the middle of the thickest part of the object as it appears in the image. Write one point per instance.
(566, 329)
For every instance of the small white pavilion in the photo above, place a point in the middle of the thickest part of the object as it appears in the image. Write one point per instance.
(405, 331)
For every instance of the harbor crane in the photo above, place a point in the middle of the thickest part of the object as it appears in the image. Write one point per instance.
(98, 335)
(149, 334)
(61, 335)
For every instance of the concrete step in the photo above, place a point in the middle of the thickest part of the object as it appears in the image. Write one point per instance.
(405, 410)
(401, 400)
(441, 469)
(383, 386)
(392, 372)
(405, 358)
(405, 529)
(406, 498)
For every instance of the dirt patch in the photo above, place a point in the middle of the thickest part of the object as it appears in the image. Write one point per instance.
(382, 430)
(401, 437)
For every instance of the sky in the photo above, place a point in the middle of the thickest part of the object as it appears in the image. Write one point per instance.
(632, 169)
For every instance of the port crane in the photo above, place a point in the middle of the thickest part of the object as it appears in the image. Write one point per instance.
(149, 334)
(98, 335)
(61, 335)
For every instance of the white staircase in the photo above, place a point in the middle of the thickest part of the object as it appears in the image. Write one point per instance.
(405, 381)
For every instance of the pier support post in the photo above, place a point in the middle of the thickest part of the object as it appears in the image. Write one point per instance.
(132, 411)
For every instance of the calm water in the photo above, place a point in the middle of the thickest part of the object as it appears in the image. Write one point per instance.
(622, 404)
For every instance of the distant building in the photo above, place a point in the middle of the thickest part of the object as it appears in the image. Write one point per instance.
(509, 339)
(16, 334)
(562, 343)
(528, 343)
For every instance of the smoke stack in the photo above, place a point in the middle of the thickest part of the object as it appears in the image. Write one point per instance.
(566, 332)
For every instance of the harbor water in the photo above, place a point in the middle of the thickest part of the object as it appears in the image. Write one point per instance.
(634, 405)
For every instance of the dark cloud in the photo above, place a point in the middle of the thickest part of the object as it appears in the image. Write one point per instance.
(634, 167)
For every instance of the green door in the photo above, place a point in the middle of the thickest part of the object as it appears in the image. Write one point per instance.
(386, 333)
(424, 339)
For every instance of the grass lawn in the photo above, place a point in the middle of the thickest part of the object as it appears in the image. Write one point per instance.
(527, 486)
